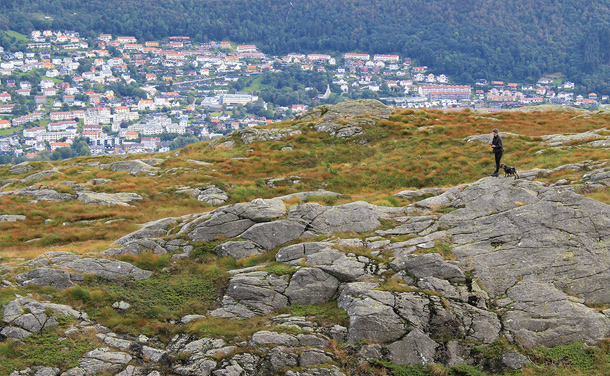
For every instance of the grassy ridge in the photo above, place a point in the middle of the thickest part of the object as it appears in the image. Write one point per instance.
(411, 149)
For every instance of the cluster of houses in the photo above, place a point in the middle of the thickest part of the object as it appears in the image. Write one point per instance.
(63, 87)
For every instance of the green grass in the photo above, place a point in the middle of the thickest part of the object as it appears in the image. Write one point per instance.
(190, 287)
(46, 349)
(8, 131)
(255, 85)
(17, 35)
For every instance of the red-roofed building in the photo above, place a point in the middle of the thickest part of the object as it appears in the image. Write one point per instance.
(57, 145)
(131, 135)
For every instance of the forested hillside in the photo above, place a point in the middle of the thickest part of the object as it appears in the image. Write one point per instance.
(493, 39)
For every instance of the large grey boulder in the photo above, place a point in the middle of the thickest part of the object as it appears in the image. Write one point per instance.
(134, 167)
(538, 314)
(196, 364)
(310, 286)
(21, 168)
(184, 343)
(219, 225)
(60, 279)
(103, 360)
(135, 247)
(109, 199)
(342, 130)
(561, 139)
(154, 229)
(212, 195)
(279, 357)
(40, 175)
(14, 332)
(341, 266)
(44, 194)
(254, 293)
(415, 348)
(273, 234)
(429, 265)
(294, 254)
(53, 258)
(232, 220)
(352, 217)
(25, 316)
(371, 314)
(410, 194)
(238, 249)
(314, 357)
(243, 364)
(108, 269)
(266, 338)
(259, 210)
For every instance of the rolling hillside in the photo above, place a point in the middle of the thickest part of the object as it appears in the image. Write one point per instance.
(353, 240)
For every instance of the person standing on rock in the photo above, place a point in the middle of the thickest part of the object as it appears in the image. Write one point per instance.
(498, 149)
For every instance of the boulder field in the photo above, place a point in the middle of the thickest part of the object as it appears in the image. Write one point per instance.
(498, 258)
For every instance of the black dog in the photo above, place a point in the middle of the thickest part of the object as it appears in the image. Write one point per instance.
(509, 171)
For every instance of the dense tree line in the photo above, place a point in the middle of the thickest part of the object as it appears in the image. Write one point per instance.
(516, 40)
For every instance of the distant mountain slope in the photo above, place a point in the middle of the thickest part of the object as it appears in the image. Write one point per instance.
(511, 39)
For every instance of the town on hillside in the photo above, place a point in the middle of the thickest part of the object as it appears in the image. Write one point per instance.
(119, 95)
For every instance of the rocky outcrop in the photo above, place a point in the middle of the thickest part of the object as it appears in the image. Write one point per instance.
(40, 175)
(109, 199)
(133, 167)
(108, 269)
(251, 135)
(11, 218)
(25, 316)
(238, 249)
(514, 259)
(21, 168)
(41, 193)
(103, 360)
(51, 269)
(539, 313)
(343, 120)
(157, 246)
(562, 139)
(252, 293)
(356, 216)
(344, 110)
(211, 194)
(154, 229)
(59, 279)
(231, 221)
